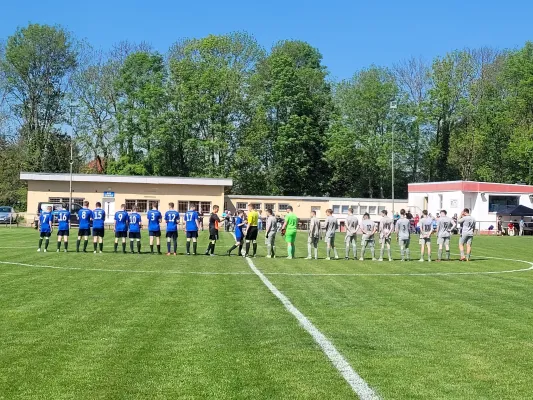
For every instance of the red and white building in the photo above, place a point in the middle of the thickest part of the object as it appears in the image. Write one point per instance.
(484, 199)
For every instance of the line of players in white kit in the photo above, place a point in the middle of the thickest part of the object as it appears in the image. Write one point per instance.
(385, 228)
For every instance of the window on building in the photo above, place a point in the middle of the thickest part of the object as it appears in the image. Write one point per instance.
(256, 206)
(282, 206)
(151, 203)
(205, 207)
(65, 200)
(241, 206)
(272, 206)
(355, 210)
(183, 206)
(502, 203)
(195, 204)
(363, 210)
(141, 204)
(380, 209)
(336, 209)
(372, 210)
(344, 209)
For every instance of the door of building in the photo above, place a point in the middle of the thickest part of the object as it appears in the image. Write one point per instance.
(109, 208)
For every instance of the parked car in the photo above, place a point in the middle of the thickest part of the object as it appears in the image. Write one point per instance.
(8, 215)
(41, 206)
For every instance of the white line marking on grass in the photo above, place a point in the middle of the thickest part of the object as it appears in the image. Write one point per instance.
(358, 384)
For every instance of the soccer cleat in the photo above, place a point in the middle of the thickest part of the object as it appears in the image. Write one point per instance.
(361, 259)
(38, 250)
(289, 258)
(309, 258)
(168, 254)
(174, 254)
(206, 253)
(212, 255)
(45, 250)
(381, 259)
(402, 260)
(94, 252)
(57, 251)
(328, 258)
(65, 251)
(374, 259)
(228, 253)
(463, 259)
(336, 257)
(438, 260)
(269, 256)
(346, 258)
(421, 260)
(100, 251)
(390, 259)
(188, 254)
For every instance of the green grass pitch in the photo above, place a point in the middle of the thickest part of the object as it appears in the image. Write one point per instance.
(114, 326)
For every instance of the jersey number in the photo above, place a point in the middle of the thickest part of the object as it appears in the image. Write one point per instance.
(83, 214)
(171, 217)
(63, 217)
(98, 215)
(120, 216)
(152, 217)
(188, 217)
(134, 219)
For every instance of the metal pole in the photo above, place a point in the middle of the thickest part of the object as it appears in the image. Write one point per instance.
(392, 172)
(71, 162)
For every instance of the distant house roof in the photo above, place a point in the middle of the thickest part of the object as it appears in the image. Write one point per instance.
(304, 198)
(469, 186)
(151, 180)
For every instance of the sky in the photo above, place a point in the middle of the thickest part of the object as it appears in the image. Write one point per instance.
(351, 35)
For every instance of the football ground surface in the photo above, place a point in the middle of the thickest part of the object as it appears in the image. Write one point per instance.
(114, 326)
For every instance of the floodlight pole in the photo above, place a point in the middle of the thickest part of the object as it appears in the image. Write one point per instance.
(72, 107)
(393, 106)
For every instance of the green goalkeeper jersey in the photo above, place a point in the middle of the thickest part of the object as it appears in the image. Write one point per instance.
(292, 223)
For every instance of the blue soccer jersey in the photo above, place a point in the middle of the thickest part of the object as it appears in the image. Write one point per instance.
(98, 218)
(85, 216)
(135, 222)
(191, 219)
(172, 217)
(44, 221)
(238, 229)
(154, 219)
(63, 217)
(121, 221)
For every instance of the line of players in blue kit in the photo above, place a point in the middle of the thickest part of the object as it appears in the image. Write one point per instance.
(127, 225)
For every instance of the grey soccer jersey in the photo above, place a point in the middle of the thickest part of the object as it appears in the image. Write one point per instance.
(469, 224)
(331, 226)
(426, 226)
(385, 227)
(314, 228)
(444, 227)
(351, 225)
(403, 227)
(271, 225)
(367, 226)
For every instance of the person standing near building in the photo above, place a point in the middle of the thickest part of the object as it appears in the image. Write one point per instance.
(313, 235)
(45, 228)
(444, 230)
(214, 222)
(368, 228)
(154, 217)
(425, 226)
(84, 216)
(499, 226)
(252, 231)
(417, 220)
(521, 225)
(98, 227)
(63, 217)
(403, 235)
(289, 228)
(352, 224)
(385, 232)
(239, 234)
(121, 227)
(172, 218)
(331, 229)
(270, 234)
(135, 225)
(468, 224)
(191, 230)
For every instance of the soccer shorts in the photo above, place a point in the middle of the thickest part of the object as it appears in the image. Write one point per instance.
(154, 233)
(63, 232)
(424, 240)
(121, 234)
(466, 240)
(349, 239)
(384, 240)
(367, 239)
(270, 239)
(313, 240)
(251, 233)
(330, 241)
(172, 235)
(135, 235)
(290, 237)
(192, 234)
(84, 232)
(45, 234)
(98, 232)
(213, 234)
(404, 242)
(443, 241)
(238, 238)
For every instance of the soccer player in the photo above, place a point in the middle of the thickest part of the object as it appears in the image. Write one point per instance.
(403, 235)
(313, 235)
(214, 222)
(154, 228)
(63, 216)
(444, 229)
(239, 235)
(331, 229)
(135, 225)
(368, 228)
(270, 234)
(426, 230)
(251, 232)
(467, 234)
(121, 227)
(191, 228)
(289, 227)
(172, 218)
(45, 228)
(351, 237)
(385, 231)
(84, 215)
(98, 227)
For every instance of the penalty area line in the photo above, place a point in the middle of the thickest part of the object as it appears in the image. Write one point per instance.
(358, 384)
